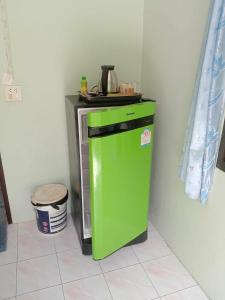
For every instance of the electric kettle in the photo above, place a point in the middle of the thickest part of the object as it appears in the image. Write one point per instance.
(108, 82)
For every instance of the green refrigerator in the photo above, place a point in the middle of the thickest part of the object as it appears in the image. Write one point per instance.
(120, 141)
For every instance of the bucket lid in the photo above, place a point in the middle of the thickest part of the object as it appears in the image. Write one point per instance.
(49, 193)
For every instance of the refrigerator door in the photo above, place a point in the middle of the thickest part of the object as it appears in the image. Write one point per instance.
(120, 152)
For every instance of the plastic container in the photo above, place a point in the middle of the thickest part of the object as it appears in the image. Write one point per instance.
(50, 203)
(3, 226)
(83, 85)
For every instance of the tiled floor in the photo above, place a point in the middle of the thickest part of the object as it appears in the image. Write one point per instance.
(36, 267)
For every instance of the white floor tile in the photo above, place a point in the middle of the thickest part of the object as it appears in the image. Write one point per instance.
(130, 283)
(67, 239)
(153, 233)
(32, 243)
(168, 275)
(7, 281)
(10, 255)
(153, 248)
(53, 293)
(151, 228)
(38, 276)
(93, 288)
(122, 258)
(37, 273)
(194, 293)
(74, 265)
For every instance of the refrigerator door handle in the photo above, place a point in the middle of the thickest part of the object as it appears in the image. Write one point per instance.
(110, 129)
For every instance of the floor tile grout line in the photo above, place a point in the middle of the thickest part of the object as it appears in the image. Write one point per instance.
(36, 257)
(121, 268)
(191, 286)
(157, 292)
(39, 256)
(53, 237)
(103, 274)
(139, 262)
(178, 291)
(156, 258)
(150, 259)
(85, 277)
(10, 263)
(184, 266)
(147, 276)
(47, 238)
(72, 248)
(59, 270)
(154, 284)
(34, 291)
(54, 285)
(106, 283)
(172, 253)
(55, 253)
(78, 248)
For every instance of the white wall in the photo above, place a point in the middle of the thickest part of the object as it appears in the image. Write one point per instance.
(173, 32)
(54, 42)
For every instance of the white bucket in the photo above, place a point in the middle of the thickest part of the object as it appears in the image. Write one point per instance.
(50, 203)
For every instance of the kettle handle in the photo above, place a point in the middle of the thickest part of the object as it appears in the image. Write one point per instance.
(104, 81)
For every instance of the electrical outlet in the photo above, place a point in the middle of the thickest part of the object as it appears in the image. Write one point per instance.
(13, 93)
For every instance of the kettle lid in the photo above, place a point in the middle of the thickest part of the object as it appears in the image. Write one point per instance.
(107, 67)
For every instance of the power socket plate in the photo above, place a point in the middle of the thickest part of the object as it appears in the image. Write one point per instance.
(13, 93)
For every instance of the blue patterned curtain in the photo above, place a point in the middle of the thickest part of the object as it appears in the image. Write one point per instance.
(207, 112)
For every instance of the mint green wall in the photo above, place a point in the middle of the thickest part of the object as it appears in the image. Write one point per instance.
(54, 42)
(173, 32)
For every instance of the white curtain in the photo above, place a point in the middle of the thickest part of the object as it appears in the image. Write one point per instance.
(207, 112)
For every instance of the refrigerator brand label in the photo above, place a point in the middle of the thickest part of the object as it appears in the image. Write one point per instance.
(146, 137)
